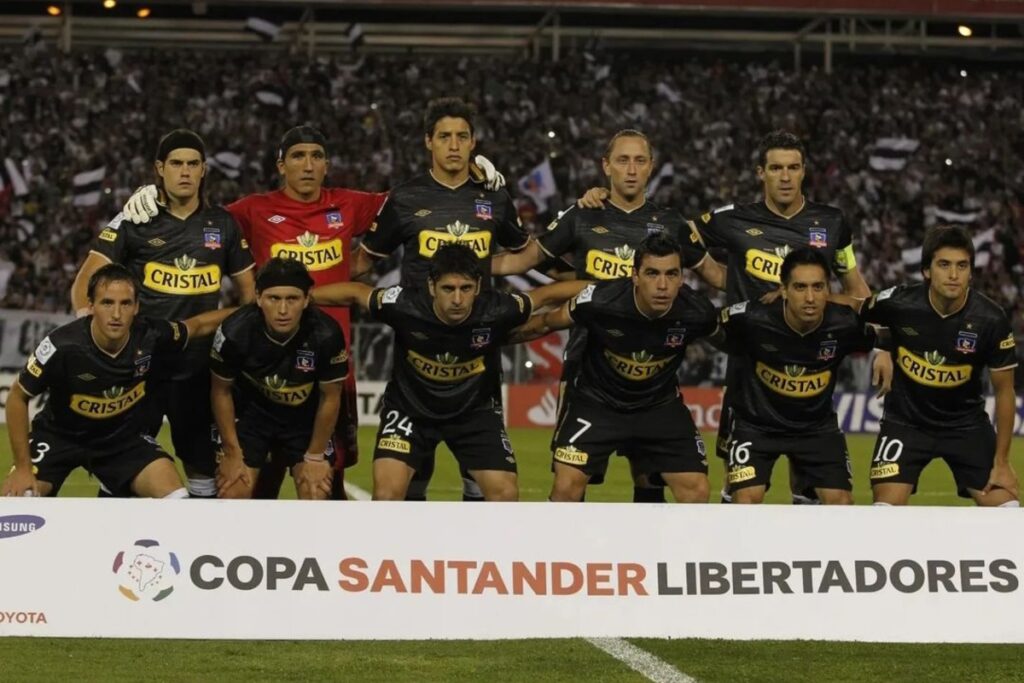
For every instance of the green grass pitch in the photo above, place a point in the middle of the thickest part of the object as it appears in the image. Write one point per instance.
(26, 659)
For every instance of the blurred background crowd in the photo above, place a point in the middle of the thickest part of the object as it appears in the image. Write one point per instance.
(961, 157)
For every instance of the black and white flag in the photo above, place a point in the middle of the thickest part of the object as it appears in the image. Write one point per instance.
(891, 154)
(87, 187)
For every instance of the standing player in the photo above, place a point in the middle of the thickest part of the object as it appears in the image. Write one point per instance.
(440, 207)
(600, 244)
(315, 225)
(945, 334)
(180, 258)
(759, 235)
(781, 395)
(98, 370)
(289, 361)
(626, 395)
(446, 377)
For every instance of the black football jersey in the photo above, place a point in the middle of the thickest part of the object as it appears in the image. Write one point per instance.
(180, 263)
(757, 240)
(939, 360)
(783, 380)
(96, 398)
(601, 243)
(279, 379)
(442, 371)
(423, 214)
(630, 361)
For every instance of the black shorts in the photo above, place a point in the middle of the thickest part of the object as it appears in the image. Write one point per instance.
(817, 460)
(902, 452)
(186, 403)
(661, 439)
(116, 465)
(477, 439)
(260, 437)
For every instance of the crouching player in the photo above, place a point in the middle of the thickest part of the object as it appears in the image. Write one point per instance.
(946, 334)
(786, 355)
(446, 377)
(289, 360)
(96, 370)
(626, 396)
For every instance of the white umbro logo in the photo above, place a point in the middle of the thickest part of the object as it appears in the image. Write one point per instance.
(276, 219)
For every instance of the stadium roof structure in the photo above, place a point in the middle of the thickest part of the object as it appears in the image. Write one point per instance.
(539, 29)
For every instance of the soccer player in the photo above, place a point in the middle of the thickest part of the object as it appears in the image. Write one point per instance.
(446, 376)
(439, 207)
(289, 360)
(315, 225)
(786, 354)
(625, 396)
(945, 334)
(600, 244)
(180, 258)
(98, 370)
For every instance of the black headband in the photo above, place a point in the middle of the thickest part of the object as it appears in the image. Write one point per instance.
(277, 277)
(180, 138)
(300, 135)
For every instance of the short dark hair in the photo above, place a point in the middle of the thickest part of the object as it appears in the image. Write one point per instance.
(804, 256)
(941, 236)
(112, 272)
(627, 133)
(454, 107)
(283, 272)
(779, 139)
(454, 258)
(656, 244)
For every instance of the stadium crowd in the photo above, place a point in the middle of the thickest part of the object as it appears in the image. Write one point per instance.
(66, 114)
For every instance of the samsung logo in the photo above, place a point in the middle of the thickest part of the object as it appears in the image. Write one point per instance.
(19, 525)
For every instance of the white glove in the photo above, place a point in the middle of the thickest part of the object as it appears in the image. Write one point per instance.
(492, 179)
(143, 205)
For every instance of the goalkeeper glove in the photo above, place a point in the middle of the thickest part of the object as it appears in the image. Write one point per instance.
(143, 205)
(483, 172)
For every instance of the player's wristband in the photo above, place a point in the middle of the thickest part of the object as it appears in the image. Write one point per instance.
(314, 457)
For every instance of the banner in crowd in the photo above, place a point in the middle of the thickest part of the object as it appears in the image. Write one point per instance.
(21, 332)
(199, 569)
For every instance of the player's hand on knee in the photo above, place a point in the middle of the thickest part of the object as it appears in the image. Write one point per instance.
(593, 198)
(771, 296)
(230, 472)
(313, 476)
(143, 205)
(483, 171)
(20, 482)
(1003, 477)
(881, 373)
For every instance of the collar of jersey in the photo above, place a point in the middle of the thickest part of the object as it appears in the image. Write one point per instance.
(266, 332)
(628, 211)
(446, 185)
(646, 317)
(102, 350)
(177, 218)
(787, 218)
(967, 296)
(798, 332)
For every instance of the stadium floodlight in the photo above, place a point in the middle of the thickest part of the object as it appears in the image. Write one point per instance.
(963, 73)
(964, 30)
(528, 364)
(109, 4)
(949, 162)
(551, 134)
(143, 12)
(53, 10)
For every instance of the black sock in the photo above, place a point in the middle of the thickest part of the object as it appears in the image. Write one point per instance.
(647, 494)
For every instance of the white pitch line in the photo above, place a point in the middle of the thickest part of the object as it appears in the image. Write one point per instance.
(643, 662)
(356, 493)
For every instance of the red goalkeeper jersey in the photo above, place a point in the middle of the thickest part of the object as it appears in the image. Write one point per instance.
(319, 233)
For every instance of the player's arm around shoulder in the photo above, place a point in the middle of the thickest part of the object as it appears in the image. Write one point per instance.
(343, 294)
(515, 262)
(205, 324)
